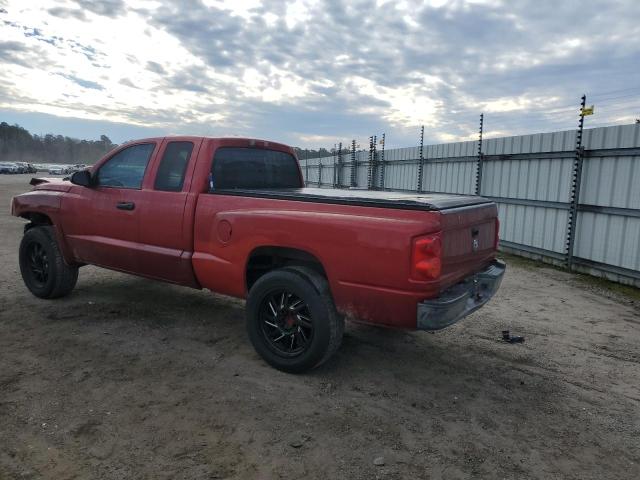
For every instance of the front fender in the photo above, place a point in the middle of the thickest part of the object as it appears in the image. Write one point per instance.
(46, 204)
(37, 201)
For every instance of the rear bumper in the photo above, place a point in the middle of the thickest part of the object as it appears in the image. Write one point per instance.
(461, 299)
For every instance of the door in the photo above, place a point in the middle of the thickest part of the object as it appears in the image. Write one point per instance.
(102, 223)
(166, 213)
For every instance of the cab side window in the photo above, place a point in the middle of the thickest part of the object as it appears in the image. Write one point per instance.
(173, 166)
(126, 168)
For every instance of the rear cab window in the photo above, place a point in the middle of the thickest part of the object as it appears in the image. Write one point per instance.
(173, 166)
(253, 168)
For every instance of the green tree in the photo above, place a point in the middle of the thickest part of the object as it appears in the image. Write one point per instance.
(17, 144)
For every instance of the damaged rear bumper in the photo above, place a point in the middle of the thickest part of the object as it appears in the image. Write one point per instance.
(461, 299)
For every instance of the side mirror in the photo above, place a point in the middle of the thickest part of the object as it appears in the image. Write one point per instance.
(82, 178)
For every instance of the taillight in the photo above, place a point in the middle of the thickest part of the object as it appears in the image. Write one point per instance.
(426, 263)
(497, 239)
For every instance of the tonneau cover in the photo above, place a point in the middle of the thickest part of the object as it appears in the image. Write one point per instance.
(367, 198)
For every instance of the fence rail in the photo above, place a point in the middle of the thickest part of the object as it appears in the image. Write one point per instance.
(530, 177)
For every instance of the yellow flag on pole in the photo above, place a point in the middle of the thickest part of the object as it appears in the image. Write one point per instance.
(587, 111)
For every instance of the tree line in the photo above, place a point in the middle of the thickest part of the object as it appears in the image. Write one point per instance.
(305, 153)
(18, 145)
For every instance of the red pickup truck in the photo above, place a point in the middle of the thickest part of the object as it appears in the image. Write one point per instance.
(233, 216)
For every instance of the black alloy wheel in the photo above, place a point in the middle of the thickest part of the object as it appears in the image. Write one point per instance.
(43, 268)
(292, 321)
(38, 263)
(286, 323)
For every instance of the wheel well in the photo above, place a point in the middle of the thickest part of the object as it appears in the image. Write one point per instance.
(264, 259)
(36, 219)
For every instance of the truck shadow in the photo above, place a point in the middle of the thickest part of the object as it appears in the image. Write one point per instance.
(445, 361)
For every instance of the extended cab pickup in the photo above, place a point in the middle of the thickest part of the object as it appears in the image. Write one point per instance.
(233, 216)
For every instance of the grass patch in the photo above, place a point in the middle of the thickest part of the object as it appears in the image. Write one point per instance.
(599, 284)
(523, 262)
(631, 293)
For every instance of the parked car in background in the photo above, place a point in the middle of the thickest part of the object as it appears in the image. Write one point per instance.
(233, 215)
(76, 168)
(26, 167)
(8, 167)
(59, 169)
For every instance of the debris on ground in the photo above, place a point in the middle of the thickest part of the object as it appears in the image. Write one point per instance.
(296, 442)
(507, 337)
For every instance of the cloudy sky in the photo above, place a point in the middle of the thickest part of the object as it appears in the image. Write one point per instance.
(312, 73)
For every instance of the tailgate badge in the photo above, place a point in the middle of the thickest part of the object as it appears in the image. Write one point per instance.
(474, 243)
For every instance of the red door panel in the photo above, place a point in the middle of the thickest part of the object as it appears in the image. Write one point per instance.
(99, 232)
(166, 224)
(102, 223)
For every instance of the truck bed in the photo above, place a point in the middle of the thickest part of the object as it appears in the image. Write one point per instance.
(364, 198)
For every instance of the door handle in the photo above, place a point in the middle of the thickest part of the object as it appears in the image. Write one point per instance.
(125, 206)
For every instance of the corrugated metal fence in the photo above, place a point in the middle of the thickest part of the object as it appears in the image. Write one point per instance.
(530, 179)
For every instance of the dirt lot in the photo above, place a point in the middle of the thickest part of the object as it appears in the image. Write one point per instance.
(127, 378)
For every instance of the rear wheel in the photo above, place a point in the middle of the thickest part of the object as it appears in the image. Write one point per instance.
(42, 266)
(291, 319)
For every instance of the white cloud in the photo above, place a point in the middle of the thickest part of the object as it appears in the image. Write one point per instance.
(308, 70)
(298, 12)
(240, 8)
(407, 105)
(274, 87)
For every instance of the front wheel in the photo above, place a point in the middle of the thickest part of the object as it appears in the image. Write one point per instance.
(42, 266)
(291, 319)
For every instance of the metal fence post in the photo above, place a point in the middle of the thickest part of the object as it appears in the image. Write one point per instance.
(479, 166)
(421, 164)
(374, 171)
(382, 164)
(576, 180)
(354, 165)
(335, 166)
(339, 174)
(319, 172)
(370, 168)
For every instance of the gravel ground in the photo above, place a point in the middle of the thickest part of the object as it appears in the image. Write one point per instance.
(127, 378)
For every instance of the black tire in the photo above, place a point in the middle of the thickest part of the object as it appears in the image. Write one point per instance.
(310, 346)
(42, 266)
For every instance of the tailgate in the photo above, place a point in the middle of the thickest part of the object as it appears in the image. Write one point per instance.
(468, 241)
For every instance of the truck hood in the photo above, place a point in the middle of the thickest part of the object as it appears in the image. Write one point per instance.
(50, 183)
(367, 198)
